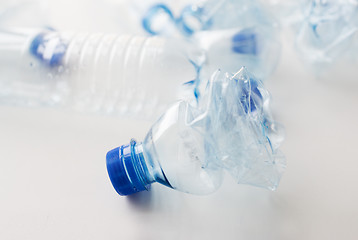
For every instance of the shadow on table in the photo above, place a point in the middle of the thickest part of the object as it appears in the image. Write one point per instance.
(142, 200)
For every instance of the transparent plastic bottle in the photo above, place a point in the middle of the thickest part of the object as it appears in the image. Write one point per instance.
(118, 74)
(189, 147)
(233, 33)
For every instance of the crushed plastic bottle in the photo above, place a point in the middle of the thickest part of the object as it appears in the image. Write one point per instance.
(190, 146)
(117, 74)
(234, 33)
(327, 31)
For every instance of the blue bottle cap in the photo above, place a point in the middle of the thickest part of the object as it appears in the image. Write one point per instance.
(51, 44)
(123, 170)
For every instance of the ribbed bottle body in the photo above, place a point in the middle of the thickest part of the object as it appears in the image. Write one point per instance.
(118, 74)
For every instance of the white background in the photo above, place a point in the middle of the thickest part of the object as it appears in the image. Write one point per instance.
(54, 184)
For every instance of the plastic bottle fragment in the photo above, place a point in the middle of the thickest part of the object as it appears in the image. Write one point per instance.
(327, 31)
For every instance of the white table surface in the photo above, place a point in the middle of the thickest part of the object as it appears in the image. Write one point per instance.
(54, 183)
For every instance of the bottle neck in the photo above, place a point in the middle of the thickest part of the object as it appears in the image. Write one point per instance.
(139, 161)
(127, 169)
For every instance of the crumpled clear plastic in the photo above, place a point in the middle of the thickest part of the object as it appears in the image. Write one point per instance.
(234, 118)
(228, 128)
(328, 31)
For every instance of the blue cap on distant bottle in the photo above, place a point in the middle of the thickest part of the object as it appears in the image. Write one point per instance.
(49, 48)
(246, 42)
(122, 170)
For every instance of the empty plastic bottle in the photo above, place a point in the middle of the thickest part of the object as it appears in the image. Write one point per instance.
(119, 74)
(188, 148)
(224, 14)
(234, 33)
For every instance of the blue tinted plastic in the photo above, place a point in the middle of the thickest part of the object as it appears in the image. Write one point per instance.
(194, 12)
(327, 31)
(251, 98)
(245, 42)
(229, 128)
(152, 12)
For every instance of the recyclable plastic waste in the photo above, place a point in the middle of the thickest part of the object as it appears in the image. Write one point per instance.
(117, 74)
(242, 31)
(191, 145)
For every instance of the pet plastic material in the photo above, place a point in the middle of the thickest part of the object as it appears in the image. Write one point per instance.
(117, 74)
(190, 146)
(234, 33)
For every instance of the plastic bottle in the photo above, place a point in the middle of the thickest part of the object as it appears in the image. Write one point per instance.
(233, 33)
(188, 148)
(118, 74)
(255, 47)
